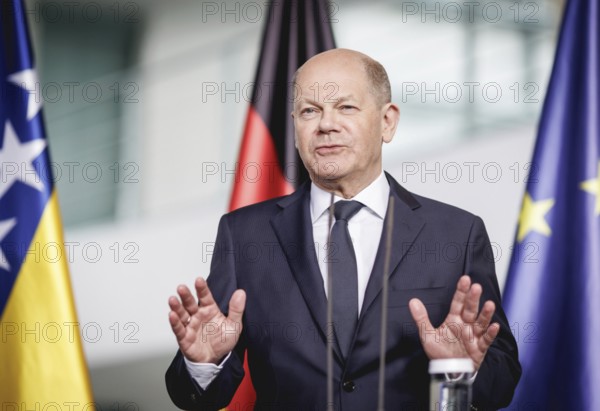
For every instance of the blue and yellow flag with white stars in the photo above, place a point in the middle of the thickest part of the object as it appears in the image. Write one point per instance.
(41, 359)
(552, 294)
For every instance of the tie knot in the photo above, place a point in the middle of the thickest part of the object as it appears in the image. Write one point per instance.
(345, 210)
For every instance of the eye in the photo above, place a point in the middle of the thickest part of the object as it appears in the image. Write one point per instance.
(347, 107)
(307, 111)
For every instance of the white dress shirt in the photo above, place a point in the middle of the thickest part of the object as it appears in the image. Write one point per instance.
(365, 228)
(365, 231)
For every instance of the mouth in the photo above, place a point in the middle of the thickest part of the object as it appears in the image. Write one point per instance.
(329, 149)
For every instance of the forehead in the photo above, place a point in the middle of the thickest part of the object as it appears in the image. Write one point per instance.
(332, 78)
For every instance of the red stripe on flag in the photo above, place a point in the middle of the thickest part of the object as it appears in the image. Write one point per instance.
(245, 396)
(258, 175)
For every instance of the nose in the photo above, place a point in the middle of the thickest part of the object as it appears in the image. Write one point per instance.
(328, 122)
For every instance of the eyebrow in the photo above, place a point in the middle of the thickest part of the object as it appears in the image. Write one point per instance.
(343, 99)
(337, 100)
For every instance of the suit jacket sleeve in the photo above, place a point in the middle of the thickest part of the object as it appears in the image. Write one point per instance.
(182, 388)
(500, 371)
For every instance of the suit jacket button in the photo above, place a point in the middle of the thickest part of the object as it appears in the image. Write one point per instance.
(349, 386)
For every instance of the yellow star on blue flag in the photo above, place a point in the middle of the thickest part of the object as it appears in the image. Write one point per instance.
(532, 217)
(592, 186)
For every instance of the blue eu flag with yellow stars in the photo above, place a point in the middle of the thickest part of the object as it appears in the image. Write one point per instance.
(552, 294)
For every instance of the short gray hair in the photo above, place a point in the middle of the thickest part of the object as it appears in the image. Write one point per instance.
(377, 75)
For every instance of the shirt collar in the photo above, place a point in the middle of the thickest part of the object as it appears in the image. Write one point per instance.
(374, 197)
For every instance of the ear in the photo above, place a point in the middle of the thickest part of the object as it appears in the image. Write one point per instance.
(389, 119)
(295, 136)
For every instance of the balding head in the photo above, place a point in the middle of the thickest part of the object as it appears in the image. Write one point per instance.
(379, 83)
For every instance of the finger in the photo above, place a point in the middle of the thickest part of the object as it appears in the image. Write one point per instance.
(471, 307)
(458, 300)
(181, 312)
(485, 317)
(205, 297)
(419, 315)
(488, 337)
(237, 303)
(187, 300)
(176, 325)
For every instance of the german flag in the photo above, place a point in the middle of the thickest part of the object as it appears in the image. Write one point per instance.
(268, 164)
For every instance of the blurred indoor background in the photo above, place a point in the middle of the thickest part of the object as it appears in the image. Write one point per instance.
(145, 102)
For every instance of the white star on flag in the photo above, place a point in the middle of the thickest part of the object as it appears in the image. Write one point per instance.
(28, 80)
(5, 227)
(16, 161)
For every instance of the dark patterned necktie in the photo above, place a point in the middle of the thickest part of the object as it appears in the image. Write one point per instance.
(345, 274)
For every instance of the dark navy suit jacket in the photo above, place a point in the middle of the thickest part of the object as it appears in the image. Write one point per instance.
(267, 249)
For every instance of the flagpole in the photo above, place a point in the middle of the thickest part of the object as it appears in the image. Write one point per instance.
(329, 328)
(384, 305)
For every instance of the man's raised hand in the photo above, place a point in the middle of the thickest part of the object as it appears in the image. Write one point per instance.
(203, 332)
(465, 332)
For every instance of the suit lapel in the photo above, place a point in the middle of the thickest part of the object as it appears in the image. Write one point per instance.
(406, 228)
(293, 227)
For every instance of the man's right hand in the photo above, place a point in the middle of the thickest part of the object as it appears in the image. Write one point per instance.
(203, 332)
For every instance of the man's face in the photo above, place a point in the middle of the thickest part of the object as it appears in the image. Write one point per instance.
(339, 125)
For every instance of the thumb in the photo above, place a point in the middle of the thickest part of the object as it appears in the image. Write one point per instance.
(237, 304)
(419, 315)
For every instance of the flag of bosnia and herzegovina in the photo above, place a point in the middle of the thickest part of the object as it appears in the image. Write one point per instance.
(41, 359)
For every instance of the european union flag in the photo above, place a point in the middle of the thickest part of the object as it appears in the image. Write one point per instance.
(552, 293)
(41, 357)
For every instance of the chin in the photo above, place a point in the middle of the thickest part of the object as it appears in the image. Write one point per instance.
(330, 170)
(327, 177)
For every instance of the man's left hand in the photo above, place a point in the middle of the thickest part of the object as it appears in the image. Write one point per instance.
(465, 333)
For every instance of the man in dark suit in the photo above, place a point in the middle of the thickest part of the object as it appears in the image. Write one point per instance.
(271, 263)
